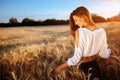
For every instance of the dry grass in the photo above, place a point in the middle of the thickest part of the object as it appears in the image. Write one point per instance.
(32, 53)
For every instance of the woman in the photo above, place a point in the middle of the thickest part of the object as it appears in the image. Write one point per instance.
(89, 41)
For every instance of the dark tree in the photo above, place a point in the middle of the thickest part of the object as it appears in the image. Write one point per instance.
(13, 21)
(28, 22)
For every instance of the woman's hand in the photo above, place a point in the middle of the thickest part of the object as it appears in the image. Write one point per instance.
(60, 68)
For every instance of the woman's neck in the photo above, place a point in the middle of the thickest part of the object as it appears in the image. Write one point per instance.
(91, 27)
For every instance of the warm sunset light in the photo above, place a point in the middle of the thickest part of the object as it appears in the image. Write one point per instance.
(59, 39)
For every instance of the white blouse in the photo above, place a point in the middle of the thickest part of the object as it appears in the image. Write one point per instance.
(90, 43)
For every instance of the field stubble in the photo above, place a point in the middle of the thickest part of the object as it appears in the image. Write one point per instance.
(32, 53)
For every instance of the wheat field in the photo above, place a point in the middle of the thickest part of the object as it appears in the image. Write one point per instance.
(32, 53)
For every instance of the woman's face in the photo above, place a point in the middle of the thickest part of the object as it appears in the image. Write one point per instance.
(79, 20)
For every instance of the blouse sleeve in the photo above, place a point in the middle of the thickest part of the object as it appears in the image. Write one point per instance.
(77, 52)
(75, 58)
(104, 51)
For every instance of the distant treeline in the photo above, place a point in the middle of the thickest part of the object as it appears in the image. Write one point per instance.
(31, 22)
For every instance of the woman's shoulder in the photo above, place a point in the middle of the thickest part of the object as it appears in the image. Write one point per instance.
(82, 29)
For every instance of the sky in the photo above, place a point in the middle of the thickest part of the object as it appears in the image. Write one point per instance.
(57, 9)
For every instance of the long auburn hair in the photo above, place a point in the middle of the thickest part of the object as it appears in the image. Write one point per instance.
(80, 11)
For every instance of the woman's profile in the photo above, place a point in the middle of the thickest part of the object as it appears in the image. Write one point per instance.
(89, 41)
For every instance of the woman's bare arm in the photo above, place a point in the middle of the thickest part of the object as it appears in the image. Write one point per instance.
(60, 68)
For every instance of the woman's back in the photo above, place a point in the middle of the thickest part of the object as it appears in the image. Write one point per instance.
(91, 42)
